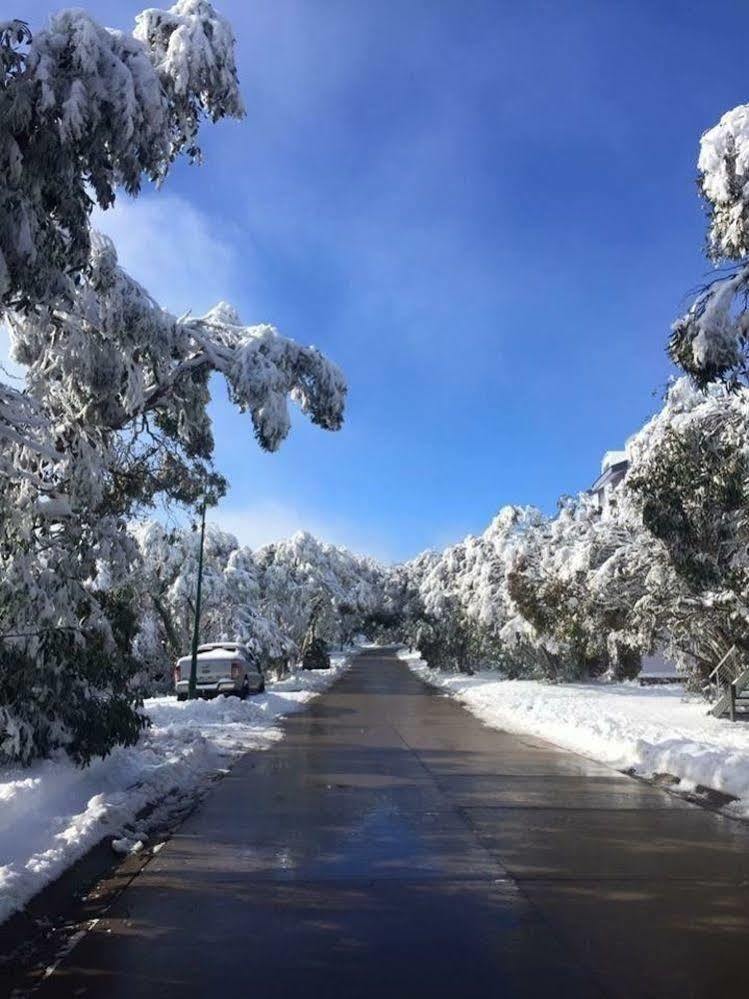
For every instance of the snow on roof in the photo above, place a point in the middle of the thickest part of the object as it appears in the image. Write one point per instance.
(612, 458)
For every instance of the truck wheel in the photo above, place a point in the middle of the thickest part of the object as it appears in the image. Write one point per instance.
(181, 697)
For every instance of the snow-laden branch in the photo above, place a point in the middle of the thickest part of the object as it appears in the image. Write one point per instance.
(113, 354)
(23, 424)
(724, 177)
(85, 109)
(264, 370)
(710, 341)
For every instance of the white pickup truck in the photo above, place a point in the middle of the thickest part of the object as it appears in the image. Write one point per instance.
(222, 668)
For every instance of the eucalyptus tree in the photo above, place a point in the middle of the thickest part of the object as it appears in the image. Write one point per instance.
(689, 481)
(303, 573)
(112, 416)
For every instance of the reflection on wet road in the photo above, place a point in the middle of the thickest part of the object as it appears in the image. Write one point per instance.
(393, 846)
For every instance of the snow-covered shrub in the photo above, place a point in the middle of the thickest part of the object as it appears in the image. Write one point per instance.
(84, 699)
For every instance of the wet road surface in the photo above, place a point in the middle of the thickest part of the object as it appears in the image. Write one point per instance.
(393, 846)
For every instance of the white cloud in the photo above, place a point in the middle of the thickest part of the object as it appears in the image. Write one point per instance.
(172, 250)
(265, 521)
(169, 247)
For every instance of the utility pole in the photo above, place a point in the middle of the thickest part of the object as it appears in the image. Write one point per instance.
(191, 690)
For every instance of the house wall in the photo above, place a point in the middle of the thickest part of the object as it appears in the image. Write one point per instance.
(657, 665)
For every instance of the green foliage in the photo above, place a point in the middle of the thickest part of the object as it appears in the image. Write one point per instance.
(316, 655)
(449, 641)
(694, 495)
(384, 625)
(557, 609)
(76, 694)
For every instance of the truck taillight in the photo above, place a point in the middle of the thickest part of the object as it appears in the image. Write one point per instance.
(236, 670)
(177, 674)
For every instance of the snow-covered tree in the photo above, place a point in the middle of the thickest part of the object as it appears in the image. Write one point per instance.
(231, 603)
(691, 475)
(84, 111)
(303, 573)
(245, 615)
(710, 342)
(690, 481)
(572, 584)
(463, 603)
(447, 634)
(399, 614)
(166, 593)
(263, 599)
(113, 414)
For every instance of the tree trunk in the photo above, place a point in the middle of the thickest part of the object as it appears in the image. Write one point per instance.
(166, 620)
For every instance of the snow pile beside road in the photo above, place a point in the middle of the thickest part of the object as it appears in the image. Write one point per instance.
(652, 729)
(53, 812)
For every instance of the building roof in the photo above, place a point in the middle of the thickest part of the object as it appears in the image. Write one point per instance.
(611, 473)
(612, 458)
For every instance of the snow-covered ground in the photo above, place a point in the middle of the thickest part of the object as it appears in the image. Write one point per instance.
(652, 729)
(53, 812)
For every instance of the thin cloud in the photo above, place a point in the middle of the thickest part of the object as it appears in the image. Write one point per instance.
(172, 249)
(264, 522)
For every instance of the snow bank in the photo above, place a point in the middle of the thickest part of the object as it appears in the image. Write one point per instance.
(652, 729)
(53, 812)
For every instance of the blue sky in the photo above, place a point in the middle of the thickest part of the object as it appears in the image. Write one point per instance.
(484, 211)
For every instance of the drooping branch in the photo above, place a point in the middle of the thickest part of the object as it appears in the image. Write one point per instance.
(112, 356)
(84, 111)
(709, 342)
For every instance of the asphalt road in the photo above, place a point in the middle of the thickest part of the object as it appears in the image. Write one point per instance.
(393, 846)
